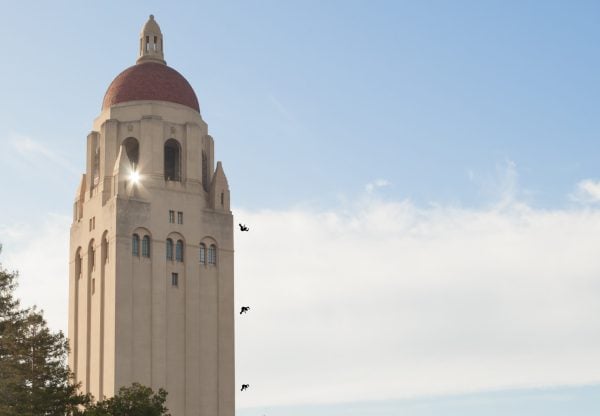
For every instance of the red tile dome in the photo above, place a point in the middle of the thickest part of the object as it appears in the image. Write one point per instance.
(150, 81)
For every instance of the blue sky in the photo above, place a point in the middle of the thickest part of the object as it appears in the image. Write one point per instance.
(331, 96)
(427, 127)
(547, 402)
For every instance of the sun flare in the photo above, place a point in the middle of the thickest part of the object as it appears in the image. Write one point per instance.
(134, 177)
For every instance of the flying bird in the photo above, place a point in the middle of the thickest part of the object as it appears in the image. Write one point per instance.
(244, 309)
(245, 386)
(244, 228)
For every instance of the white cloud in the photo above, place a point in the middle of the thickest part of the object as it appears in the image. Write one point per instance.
(502, 186)
(377, 183)
(39, 251)
(587, 191)
(387, 300)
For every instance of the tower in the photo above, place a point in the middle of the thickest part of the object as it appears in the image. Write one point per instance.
(151, 251)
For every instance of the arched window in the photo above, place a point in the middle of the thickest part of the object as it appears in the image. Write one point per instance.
(202, 253)
(135, 245)
(212, 254)
(172, 160)
(132, 149)
(169, 249)
(179, 251)
(146, 246)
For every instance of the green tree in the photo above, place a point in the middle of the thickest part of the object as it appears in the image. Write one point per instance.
(11, 318)
(48, 388)
(136, 400)
(34, 376)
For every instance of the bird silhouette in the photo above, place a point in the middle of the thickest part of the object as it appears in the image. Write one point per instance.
(244, 228)
(245, 386)
(244, 309)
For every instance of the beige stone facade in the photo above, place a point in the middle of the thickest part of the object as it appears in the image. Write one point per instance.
(151, 253)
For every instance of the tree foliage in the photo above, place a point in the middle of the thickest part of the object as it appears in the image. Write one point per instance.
(10, 318)
(136, 400)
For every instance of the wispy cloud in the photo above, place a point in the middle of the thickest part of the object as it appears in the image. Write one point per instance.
(502, 187)
(508, 183)
(587, 191)
(285, 113)
(377, 183)
(33, 150)
(281, 109)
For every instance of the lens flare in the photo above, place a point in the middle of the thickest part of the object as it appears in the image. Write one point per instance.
(134, 177)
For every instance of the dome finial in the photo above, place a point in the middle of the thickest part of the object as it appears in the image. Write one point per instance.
(151, 43)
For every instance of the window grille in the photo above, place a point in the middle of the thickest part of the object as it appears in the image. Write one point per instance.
(202, 254)
(169, 249)
(135, 245)
(212, 254)
(146, 246)
(179, 251)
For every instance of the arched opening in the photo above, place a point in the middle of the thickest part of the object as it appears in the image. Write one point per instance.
(179, 251)
(172, 160)
(132, 149)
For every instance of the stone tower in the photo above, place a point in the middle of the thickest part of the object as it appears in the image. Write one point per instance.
(151, 254)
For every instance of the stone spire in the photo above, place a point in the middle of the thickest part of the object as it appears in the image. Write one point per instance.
(151, 43)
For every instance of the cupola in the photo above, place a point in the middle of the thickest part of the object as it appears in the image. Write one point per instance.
(150, 78)
(151, 43)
